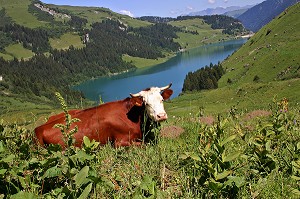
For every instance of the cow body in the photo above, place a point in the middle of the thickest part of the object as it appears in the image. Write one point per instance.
(119, 122)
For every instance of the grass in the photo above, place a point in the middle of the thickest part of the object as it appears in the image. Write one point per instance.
(263, 55)
(95, 14)
(172, 168)
(270, 56)
(23, 111)
(18, 51)
(6, 56)
(245, 97)
(18, 11)
(143, 62)
(205, 35)
(65, 41)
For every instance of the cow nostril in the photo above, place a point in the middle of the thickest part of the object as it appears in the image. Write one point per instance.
(162, 116)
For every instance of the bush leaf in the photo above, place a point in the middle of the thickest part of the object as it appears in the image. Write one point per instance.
(223, 174)
(230, 138)
(23, 195)
(231, 157)
(81, 177)
(86, 191)
(52, 172)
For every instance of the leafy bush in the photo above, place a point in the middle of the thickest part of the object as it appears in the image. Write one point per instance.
(232, 158)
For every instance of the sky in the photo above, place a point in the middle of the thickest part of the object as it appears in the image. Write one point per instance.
(162, 8)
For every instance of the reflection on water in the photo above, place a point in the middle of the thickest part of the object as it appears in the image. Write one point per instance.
(174, 70)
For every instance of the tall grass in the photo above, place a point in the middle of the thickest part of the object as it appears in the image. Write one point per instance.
(233, 158)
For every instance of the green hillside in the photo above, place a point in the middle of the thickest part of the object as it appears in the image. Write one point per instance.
(271, 54)
(205, 33)
(17, 10)
(95, 14)
(62, 34)
(267, 66)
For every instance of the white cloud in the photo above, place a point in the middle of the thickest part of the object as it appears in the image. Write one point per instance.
(189, 8)
(225, 1)
(211, 1)
(126, 12)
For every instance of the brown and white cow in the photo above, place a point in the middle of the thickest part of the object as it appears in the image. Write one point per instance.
(122, 123)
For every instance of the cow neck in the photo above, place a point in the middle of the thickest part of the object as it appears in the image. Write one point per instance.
(134, 113)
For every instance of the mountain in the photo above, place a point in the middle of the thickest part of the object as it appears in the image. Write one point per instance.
(261, 14)
(236, 13)
(218, 10)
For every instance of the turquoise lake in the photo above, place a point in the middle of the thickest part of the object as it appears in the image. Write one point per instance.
(174, 70)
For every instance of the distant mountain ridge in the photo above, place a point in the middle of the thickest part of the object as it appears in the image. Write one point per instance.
(261, 14)
(218, 10)
(235, 13)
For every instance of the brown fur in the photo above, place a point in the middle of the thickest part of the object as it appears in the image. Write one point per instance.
(118, 122)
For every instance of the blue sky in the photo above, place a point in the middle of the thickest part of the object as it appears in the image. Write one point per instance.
(162, 8)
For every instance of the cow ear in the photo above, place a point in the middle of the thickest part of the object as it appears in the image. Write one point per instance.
(136, 101)
(166, 94)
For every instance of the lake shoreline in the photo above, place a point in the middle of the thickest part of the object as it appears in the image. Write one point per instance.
(183, 50)
(118, 86)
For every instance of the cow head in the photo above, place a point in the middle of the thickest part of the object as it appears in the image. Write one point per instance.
(153, 99)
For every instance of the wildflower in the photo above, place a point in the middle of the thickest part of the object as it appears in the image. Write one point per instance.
(283, 105)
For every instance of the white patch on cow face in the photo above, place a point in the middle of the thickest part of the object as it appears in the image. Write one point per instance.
(154, 104)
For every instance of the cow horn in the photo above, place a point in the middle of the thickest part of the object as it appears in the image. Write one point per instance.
(165, 87)
(136, 95)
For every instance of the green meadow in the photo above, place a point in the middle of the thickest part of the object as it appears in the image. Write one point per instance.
(205, 35)
(20, 15)
(65, 41)
(18, 51)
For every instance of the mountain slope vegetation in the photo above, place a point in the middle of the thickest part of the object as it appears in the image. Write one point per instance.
(271, 54)
(266, 66)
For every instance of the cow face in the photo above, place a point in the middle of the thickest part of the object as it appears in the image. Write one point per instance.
(153, 101)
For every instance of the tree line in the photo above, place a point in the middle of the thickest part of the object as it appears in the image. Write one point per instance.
(204, 78)
(43, 75)
(229, 25)
(109, 40)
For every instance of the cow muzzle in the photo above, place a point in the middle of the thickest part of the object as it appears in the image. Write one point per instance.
(161, 117)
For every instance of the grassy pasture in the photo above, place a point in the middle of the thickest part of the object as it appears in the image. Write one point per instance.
(18, 11)
(23, 111)
(142, 62)
(6, 56)
(65, 41)
(95, 14)
(205, 35)
(270, 54)
(18, 51)
(181, 167)
(246, 97)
